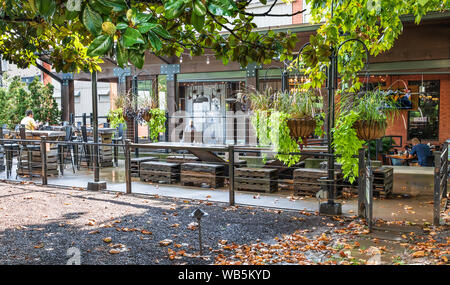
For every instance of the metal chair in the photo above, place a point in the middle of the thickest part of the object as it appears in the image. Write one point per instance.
(118, 138)
(85, 150)
(9, 149)
(29, 148)
(62, 147)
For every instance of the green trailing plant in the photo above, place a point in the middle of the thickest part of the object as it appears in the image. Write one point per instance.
(370, 106)
(281, 138)
(346, 144)
(115, 117)
(156, 123)
(271, 113)
(260, 122)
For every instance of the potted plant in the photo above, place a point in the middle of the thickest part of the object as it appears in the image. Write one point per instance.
(282, 119)
(361, 118)
(146, 103)
(302, 109)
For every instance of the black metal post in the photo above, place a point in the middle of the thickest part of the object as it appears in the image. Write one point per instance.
(94, 124)
(44, 159)
(127, 154)
(200, 236)
(134, 87)
(361, 183)
(284, 81)
(84, 119)
(97, 184)
(437, 189)
(231, 174)
(331, 208)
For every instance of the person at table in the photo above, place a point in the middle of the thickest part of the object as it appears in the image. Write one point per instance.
(421, 151)
(28, 121)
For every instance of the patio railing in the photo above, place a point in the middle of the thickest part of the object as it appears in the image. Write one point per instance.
(441, 175)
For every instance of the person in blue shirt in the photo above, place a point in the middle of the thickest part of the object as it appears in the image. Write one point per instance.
(422, 151)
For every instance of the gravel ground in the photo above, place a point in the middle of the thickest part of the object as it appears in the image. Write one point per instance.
(41, 225)
(56, 226)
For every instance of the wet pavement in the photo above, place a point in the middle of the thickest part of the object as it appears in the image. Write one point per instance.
(411, 200)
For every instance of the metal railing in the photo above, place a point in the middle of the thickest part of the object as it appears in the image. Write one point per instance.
(363, 188)
(441, 175)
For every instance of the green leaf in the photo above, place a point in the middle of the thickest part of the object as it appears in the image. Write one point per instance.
(197, 21)
(99, 7)
(159, 30)
(142, 18)
(92, 20)
(100, 45)
(121, 54)
(145, 27)
(121, 26)
(137, 58)
(154, 40)
(70, 15)
(221, 7)
(46, 8)
(199, 8)
(132, 37)
(117, 5)
(174, 8)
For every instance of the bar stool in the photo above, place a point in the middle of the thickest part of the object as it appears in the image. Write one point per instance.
(85, 149)
(29, 148)
(62, 147)
(8, 149)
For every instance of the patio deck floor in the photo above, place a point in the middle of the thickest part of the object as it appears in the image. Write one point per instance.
(414, 185)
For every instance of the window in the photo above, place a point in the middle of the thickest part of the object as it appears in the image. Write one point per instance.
(424, 123)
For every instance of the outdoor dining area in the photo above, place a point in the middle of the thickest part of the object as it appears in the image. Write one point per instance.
(64, 146)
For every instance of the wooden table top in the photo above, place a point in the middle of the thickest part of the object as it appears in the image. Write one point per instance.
(397, 156)
(42, 133)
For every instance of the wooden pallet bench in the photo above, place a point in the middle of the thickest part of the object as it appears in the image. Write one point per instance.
(383, 181)
(256, 179)
(159, 172)
(36, 163)
(199, 173)
(136, 162)
(182, 158)
(306, 181)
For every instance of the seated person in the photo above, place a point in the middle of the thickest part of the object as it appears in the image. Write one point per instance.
(422, 151)
(28, 121)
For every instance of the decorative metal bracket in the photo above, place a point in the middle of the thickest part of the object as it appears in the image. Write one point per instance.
(170, 70)
(65, 78)
(122, 73)
(251, 69)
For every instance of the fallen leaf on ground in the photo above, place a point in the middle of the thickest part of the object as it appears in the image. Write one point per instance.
(165, 242)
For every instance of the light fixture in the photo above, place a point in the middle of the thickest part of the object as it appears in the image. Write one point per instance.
(207, 60)
(181, 58)
(422, 87)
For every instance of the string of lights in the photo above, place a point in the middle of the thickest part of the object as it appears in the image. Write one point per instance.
(190, 57)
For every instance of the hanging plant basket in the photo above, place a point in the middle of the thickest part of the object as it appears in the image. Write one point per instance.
(128, 114)
(301, 128)
(146, 115)
(370, 130)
